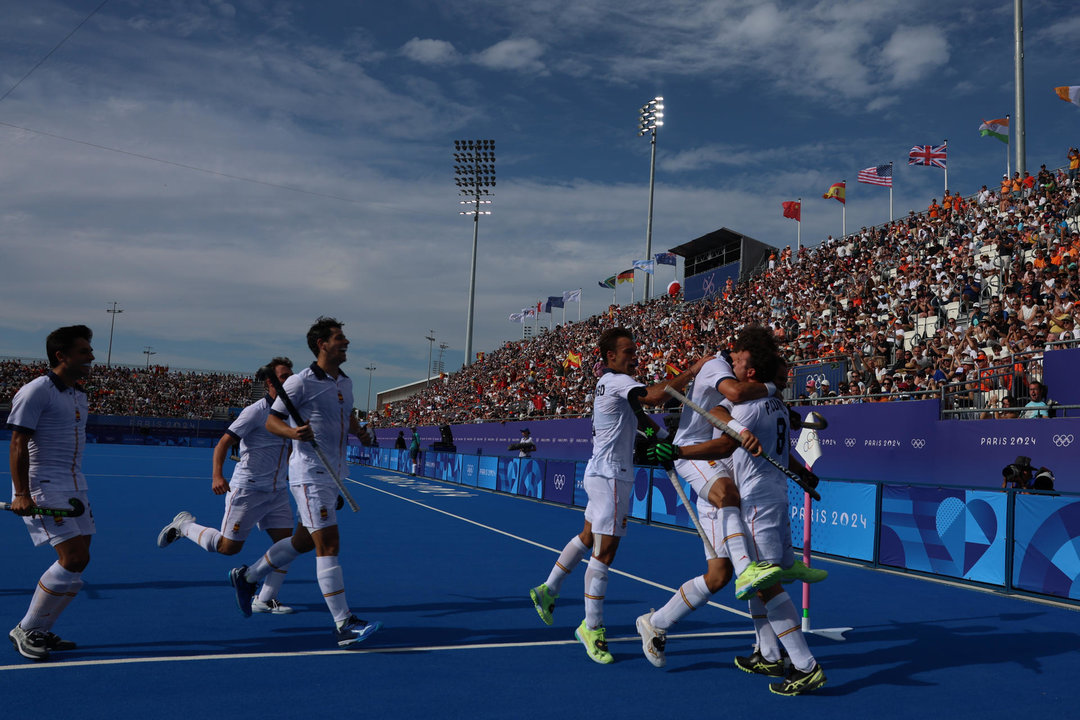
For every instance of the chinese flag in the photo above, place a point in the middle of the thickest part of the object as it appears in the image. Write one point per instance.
(793, 210)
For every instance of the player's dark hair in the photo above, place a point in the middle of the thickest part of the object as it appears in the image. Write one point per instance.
(61, 340)
(764, 353)
(263, 373)
(609, 339)
(321, 330)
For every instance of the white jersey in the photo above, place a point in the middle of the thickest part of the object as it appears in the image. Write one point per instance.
(614, 427)
(54, 416)
(705, 392)
(326, 404)
(759, 482)
(263, 455)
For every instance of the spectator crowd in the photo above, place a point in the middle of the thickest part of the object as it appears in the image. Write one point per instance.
(959, 301)
(146, 392)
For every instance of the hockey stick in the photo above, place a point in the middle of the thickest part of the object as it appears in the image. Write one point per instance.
(723, 427)
(295, 415)
(674, 478)
(77, 508)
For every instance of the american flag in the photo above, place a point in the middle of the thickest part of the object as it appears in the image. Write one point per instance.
(928, 155)
(879, 175)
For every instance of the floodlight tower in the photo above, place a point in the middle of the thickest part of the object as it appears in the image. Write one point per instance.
(474, 173)
(651, 118)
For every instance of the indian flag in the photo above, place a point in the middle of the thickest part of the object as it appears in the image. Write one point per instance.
(996, 129)
(1069, 93)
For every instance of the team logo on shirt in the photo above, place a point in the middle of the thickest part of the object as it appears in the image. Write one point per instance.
(236, 528)
(712, 463)
(340, 397)
(77, 415)
(323, 514)
(624, 523)
(59, 521)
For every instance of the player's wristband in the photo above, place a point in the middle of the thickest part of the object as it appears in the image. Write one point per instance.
(771, 387)
(662, 433)
(735, 425)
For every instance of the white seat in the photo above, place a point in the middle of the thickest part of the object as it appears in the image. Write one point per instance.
(952, 310)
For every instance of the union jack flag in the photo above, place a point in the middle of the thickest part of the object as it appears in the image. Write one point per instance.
(879, 175)
(928, 155)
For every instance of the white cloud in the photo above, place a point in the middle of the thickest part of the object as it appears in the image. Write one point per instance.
(521, 54)
(430, 52)
(912, 53)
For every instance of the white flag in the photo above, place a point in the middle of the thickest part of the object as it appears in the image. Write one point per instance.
(808, 446)
(572, 296)
(517, 317)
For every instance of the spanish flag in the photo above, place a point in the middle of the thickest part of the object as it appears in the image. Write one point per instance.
(837, 191)
(573, 359)
(673, 371)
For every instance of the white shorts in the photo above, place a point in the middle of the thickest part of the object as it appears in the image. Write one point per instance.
(609, 504)
(315, 505)
(55, 530)
(770, 533)
(701, 474)
(246, 508)
(709, 515)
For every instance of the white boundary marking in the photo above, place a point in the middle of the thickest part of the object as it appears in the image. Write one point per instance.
(324, 653)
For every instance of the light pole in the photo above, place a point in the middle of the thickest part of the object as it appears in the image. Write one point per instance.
(114, 311)
(148, 352)
(370, 369)
(431, 344)
(652, 117)
(474, 173)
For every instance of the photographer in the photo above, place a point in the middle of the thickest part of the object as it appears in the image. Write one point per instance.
(526, 447)
(1021, 475)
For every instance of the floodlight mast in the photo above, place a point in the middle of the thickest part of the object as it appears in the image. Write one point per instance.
(651, 118)
(474, 173)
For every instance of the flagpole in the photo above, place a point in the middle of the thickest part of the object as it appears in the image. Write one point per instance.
(579, 304)
(843, 214)
(892, 179)
(798, 231)
(946, 146)
(633, 292)
(1008, 147)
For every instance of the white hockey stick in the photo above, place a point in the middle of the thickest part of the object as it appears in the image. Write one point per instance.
(724, 428)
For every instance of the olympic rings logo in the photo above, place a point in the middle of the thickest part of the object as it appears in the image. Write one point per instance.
(816, 378)
(918, 443)
(850, 442)
(1062, 441)
(560, 481)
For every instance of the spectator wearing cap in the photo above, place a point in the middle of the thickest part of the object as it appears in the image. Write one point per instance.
(525, 447)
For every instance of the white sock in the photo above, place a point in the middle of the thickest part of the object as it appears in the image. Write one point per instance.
(735, 536)
(767, 643)
(279, 555)
(785, 622)
(596, 577)
(272, 584)
(332, 584)
(571, 556)
(688, 598)
(205, 537)
(50, 597)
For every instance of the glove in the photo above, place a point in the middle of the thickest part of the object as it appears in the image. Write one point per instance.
(340, 503)
(662, 452)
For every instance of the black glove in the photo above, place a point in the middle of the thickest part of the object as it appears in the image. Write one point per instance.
(662, 452)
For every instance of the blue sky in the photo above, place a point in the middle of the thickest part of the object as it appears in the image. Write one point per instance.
(356, 105)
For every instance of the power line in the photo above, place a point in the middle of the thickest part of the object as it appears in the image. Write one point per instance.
(49, 54)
